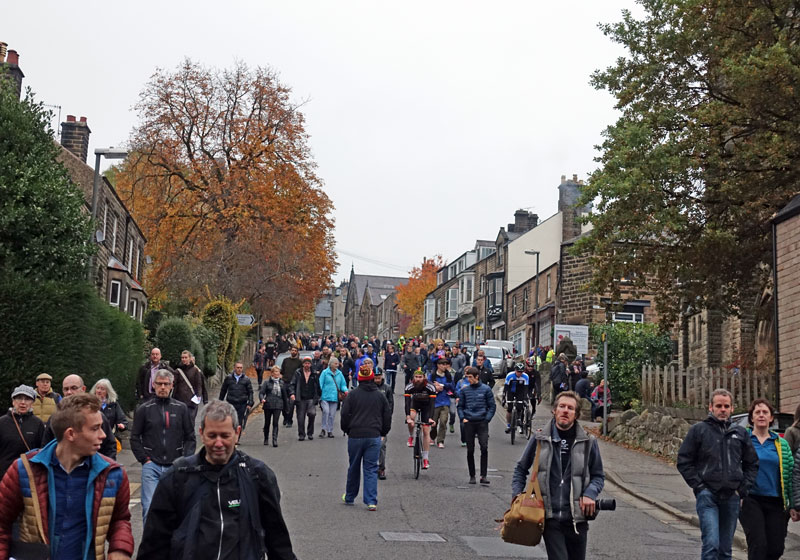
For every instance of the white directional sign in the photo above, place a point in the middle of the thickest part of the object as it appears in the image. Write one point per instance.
(246, 320)
(578, 333)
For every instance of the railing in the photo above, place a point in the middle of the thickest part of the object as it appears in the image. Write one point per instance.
(669, 386)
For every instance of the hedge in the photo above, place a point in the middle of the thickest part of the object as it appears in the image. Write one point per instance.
(63, 328)
(173, 336)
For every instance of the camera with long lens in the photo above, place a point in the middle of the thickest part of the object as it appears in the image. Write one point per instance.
(606, 504)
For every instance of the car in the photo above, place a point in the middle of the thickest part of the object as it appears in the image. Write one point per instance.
(780, 422)
(497, 356)
(283, 355)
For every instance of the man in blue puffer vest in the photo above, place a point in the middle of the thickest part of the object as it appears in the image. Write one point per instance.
(476, 408)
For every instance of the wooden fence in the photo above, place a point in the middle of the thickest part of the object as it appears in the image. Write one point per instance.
(670, 386)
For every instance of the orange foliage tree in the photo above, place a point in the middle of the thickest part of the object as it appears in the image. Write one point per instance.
(411, 296)
(222, 181)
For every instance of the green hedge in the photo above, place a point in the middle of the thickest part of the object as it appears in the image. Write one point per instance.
(62, 328)
(173, 336)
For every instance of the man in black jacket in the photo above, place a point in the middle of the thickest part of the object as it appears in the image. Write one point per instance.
(162, 432)
(558, 375)
(366, 418)
(304, 392)
(238, 390)
(147, 374)
(718, 461)
(218, 503)
(288, 367)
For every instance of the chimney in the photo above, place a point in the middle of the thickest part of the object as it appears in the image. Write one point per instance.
(75, 136)
(10, 61)
(3, 51)
(569, 192)
(523, 221)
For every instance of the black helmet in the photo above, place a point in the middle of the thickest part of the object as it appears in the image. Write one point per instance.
(520, 366)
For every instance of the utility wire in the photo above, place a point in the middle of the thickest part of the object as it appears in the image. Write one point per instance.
(374, 261)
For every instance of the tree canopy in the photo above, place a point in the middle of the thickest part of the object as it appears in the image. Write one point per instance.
(411, 296)
(44, 231)
(222, 182)
(704, 153)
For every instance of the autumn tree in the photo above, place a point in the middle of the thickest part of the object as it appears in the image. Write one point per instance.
(411, 296)
(704, 152)
(222, 181)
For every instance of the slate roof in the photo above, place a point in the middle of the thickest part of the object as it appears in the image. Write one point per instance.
(362, 281)
(788, 211)
(323, 309)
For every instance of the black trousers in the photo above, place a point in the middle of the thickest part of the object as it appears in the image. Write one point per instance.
(480, 429)
(259, 375)
(241, 408)
(764, 522)
(562, 542)
(273, 415)
(305, 409)
(288, 413)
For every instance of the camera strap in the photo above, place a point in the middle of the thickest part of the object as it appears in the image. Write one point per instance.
(533, 485)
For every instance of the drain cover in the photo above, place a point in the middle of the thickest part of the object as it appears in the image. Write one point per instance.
(412, 537)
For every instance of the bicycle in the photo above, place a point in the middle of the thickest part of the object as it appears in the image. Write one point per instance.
(417, 447)
(520, 418)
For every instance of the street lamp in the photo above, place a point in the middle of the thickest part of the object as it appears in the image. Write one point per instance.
(109, 153)
(536, 297)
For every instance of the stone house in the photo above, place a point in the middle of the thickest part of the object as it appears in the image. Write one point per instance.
(786, 267)
(364, 293)
(391, 321)
(338, 301)
(323, 313)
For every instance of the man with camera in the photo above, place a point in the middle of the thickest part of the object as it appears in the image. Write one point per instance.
(570, 476)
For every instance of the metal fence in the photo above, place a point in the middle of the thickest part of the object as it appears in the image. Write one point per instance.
(669, 386)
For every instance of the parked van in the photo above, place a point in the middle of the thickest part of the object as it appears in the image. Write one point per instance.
(508, 346)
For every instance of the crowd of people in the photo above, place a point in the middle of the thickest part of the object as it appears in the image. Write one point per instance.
(59, 450)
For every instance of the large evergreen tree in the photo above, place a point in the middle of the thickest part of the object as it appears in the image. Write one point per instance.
(43, 230)
(705, 151)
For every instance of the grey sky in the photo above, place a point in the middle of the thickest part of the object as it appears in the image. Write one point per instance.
(431, 121)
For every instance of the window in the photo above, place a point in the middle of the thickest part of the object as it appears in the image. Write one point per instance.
(451, 303)
(549, 290)
(114, 236)
(113, 297)
(627, 317)
(105, 219)
(496, 292)
(525, 300)
(129, 262)
(482, 288)
(514, 306)
(133, 306)
(438, 307)
(485, 252)
(439, 277)
(499, 256)
(136, 265)
(125, 301)
(468, 291)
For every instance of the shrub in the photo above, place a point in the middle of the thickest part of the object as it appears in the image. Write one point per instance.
(207, 342)
(152, 318)
(62, 328)
(630, 346)
(173, 336)
(219, 316)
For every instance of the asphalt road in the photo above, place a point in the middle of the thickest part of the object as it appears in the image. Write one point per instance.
(440, 506)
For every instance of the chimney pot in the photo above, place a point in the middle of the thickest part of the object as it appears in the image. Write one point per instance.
(70, 118)
(83, 119)
(574, 177)
(13, 57)
(75, 137)
(563, 179)
(3, 51)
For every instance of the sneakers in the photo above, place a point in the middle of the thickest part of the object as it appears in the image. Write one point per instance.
(425, 463)
(266, 441)
(472, 480)
(301, 438)
(484, 480)
(381, 475)
(463, 444)
(372, 507)
(310, 436)
(440, 445)
(452, 429)
(344, 500)
(330, 434)
(508, 428)
(322, 434)
(411, 441)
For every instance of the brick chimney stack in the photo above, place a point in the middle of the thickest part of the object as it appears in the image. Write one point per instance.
(523, 221)
(10, 61)
(75, 137)
(569, 192)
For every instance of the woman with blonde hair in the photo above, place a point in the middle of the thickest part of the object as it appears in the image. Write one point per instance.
(112, 410)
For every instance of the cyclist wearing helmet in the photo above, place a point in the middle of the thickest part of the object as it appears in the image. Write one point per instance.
(419, 396)
(535, 381)
(516, 388)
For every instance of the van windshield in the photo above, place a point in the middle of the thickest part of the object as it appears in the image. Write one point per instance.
(492, 352)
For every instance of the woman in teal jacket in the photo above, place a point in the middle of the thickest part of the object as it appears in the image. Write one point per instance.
(764, 514)
(331, 381)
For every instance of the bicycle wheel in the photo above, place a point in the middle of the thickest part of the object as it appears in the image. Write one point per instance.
(528, 423)
(417, 453)
(513, 424)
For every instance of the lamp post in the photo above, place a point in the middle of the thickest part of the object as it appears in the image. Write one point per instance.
(109, 153)
(536, 296)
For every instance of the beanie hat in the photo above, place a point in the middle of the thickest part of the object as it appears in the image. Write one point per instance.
(369, 376)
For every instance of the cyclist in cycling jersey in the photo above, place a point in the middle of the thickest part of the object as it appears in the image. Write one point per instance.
(535, 380)
(517, 388)
(419, 396)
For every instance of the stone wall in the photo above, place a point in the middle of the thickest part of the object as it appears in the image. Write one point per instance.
(788, 261)
(651, 431)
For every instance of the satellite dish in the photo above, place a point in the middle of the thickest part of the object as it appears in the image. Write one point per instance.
(148, 259)
(99, 236)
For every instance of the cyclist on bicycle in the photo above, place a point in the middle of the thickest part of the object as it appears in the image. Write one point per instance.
(535, 381)
(517, 388)
(419, 396)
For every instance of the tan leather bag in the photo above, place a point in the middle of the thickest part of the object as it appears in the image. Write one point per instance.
(523, 523)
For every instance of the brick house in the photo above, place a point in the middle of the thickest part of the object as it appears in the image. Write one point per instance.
(786, 265)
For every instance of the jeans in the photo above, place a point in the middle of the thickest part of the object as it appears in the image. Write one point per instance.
(305, 408)
(562, 542)
(480, 429)
(151, 474)
(440, 417)
(717, 524)
(453, 411)
(382, 455)
(390, 376)
(328, 415)
(764, 523)
(273, 415)
(366, 450)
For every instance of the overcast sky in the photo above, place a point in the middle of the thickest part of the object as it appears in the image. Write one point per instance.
(431, 122)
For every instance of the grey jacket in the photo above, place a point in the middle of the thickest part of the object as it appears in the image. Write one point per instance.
(562, 502)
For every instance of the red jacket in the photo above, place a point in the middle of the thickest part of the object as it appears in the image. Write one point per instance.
(110, 515)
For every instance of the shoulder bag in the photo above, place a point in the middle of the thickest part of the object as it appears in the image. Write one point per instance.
(340, 394)
(523, 522)
(26, 550)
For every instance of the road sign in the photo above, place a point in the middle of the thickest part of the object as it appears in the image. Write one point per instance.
(245, 320)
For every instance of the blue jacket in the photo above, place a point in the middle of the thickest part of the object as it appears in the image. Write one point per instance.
(443, 396)
(476, 403)
(330, 384)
